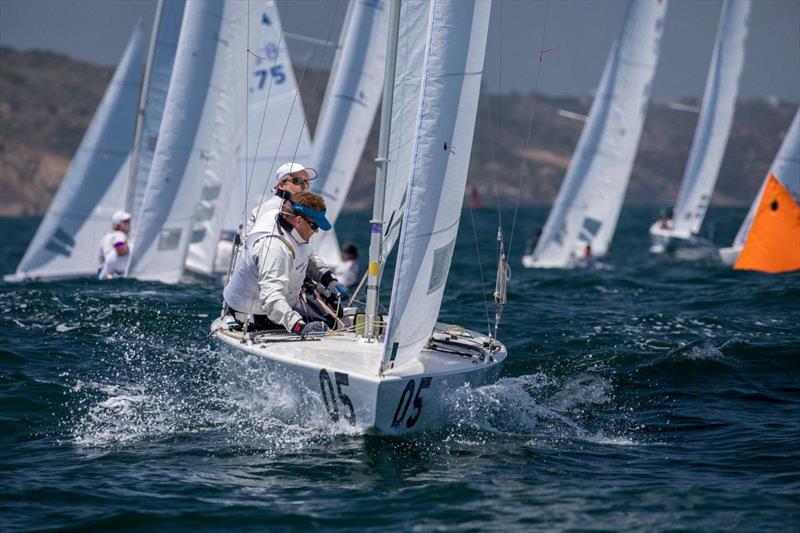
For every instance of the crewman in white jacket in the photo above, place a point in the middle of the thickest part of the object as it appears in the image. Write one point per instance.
(266, 284)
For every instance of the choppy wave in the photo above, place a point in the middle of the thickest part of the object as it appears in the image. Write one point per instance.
(652, 395)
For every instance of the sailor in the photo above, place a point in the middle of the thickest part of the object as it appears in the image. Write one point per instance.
(290, 178)
(116, 261)
(120, 222)
(266, 283)
(348, 270)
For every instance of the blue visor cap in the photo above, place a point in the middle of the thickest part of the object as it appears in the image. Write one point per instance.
(317, 216)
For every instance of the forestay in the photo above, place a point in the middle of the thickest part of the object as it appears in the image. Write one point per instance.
(716, 117)
(785, 167)
(588, 204)
(163, 43)
(276, 123)
(406, 99)
(348, 110)
(198, 142)
(445, 124)
(67, 241)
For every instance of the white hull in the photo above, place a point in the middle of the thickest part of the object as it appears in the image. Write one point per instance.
(341, 371)
(681, 245)
(729, 255)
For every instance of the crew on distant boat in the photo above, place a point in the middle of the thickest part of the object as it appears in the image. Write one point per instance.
(348, 270)
(266, 286)
(665, 220)
(120, 222)
(115, 262)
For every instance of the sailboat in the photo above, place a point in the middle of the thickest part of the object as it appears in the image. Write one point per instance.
(680, 234)
(66, 243)
(348, 110)
(769, 238)
(111, 166)
(584, 217)
(391, 374)
(198, 142)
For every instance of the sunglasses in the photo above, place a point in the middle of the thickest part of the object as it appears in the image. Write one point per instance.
(297, 181)
(311, 223)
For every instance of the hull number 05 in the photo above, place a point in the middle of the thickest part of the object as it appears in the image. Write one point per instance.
(405, 403)
(331, 402)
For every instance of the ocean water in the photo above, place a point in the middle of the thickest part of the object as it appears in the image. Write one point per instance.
(650, 395)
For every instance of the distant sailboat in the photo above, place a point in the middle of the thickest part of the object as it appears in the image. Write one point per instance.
(277, 128)
(680, 234)
(348, 111)
(395, 379)
(198, 142)
(768, 239)
(584, 217)
(66, 243)
(157, 74)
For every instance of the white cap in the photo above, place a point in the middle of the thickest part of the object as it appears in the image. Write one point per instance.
(119, 237)
(118, 217)
(290, 168)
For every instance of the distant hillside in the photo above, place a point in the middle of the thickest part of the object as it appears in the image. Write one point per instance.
(47, 101)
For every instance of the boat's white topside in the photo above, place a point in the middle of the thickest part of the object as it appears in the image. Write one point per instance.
(351, 354)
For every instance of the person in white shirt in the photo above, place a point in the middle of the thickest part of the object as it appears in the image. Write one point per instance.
(116, 261)
(120, 222)
(348, 270)
(266, 284)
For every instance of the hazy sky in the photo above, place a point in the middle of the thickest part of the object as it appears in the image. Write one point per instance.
(97, 30)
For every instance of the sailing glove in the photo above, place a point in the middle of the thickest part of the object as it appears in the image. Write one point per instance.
(312, 329)
(336, 287)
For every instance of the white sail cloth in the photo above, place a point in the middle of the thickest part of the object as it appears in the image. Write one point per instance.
(163, 44)
(348, 110)
(66, 242)
(451, 79)
(276, 123)
(785, 167)
(587, 207)
(198, 141)
(411, 44)
(716, 117)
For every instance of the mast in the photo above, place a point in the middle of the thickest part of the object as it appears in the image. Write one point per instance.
(137, 135)
(376, 224)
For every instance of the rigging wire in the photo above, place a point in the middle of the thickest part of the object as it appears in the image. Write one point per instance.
(524, 165)
(291, 110)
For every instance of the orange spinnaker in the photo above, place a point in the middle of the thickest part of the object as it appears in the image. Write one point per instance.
(773, 244)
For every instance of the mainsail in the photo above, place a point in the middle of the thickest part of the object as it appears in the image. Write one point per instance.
(276, 123)
(198, 142)
(588, 204)
(445, 124)
(67, 241)
(716, 117)
(163, 42)
(348, 110)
